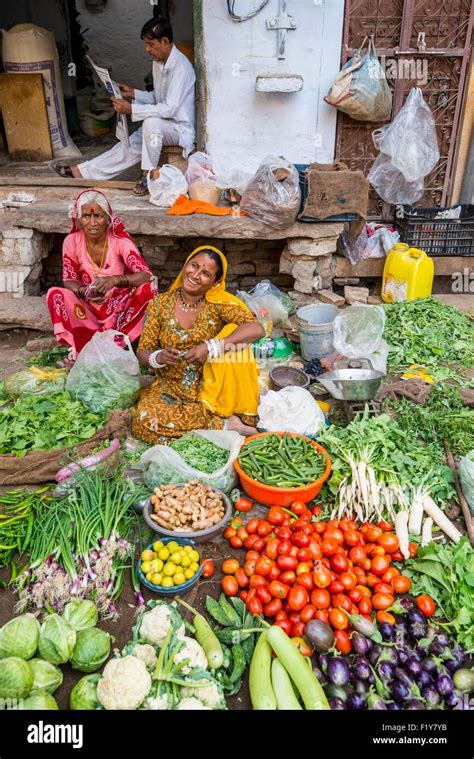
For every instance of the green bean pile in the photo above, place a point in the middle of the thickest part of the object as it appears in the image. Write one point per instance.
(282, 461)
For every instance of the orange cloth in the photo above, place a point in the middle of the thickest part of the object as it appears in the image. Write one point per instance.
(183, 206)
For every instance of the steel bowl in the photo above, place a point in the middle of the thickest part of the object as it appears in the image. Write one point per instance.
(353, 381)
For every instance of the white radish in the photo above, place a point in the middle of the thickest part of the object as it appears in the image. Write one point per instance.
(401, 530)
(361, 471)
(374, 488)
(416, 515)
(426, 534)
(440, 518)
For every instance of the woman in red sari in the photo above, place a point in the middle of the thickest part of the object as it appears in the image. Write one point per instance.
(107, 284)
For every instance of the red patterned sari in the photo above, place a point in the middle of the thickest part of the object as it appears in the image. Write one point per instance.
(75, 320)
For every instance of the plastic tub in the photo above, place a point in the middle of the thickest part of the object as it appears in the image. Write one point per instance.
(177, 589)
(271, 496)
(198, 536)
(316, 326)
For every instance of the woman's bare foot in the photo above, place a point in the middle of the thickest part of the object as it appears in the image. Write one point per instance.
(236, 425)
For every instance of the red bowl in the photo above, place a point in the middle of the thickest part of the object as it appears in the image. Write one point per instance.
(272, 496)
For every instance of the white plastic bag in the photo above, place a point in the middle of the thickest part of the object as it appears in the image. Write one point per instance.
(358, 333)
(350, 247)
(292, 409)
(232, 178)
(278, 304)
(105, 375)
(410, 140)
(466, 475)
(273, 195)
(380, 242)
(390, 183)
(167, 187)
(200, 166)
(162, 464)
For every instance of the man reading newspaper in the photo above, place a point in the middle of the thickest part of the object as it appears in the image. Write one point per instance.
(167, 113)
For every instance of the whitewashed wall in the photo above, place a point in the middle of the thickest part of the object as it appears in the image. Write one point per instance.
(247, 125)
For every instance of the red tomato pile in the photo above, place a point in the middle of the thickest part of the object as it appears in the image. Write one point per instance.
(296, 570)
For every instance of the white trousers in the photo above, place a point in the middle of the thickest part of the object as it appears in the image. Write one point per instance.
(145, 144)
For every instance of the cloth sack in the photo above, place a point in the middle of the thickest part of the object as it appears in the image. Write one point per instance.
(333, 189)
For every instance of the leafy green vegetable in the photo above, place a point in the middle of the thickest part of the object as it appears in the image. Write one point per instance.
(55, 421)
(48, 358)
(200, 453)
(445, 571)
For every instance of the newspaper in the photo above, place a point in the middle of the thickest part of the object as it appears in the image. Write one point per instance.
(121, 129)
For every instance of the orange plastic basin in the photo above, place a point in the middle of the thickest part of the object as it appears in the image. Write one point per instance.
(269, 495)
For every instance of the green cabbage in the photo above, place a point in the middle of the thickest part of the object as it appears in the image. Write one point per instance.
(56, 640)
(46, 676)
(16, 677)
(91, 651)
(39, 700)
(84, 694)
(19, 637)
(81, 614)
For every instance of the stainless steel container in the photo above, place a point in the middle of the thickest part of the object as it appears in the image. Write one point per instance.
(354, 380)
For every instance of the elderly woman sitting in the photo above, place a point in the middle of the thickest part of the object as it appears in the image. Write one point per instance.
(107, 284)
(197, 338)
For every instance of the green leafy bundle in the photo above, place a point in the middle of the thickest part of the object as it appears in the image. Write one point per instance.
(200, 453)
(56, 421)
(49, 357)
(445, 571)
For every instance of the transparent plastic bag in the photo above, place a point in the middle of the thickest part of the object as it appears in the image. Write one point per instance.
(391, 185)
(35, 381)
(410, 140)
(232, 178)
(162, 464)
(466, 475)
(278, 304)
(273, 195)
(200, 166)
(167, 187)
(261, 313)
(358, 333)
(380, 243)
(350, 247)
(105, 376)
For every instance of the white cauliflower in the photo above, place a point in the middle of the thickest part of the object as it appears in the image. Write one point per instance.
(191, 703)
(159, 703)
(156, 623)
(192, 651)
(125, 683)
(146, 653)
(210, 695)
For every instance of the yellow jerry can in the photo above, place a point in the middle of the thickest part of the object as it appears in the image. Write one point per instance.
(408, 274)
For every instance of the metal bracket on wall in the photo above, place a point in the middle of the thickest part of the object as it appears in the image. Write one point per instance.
(281, 24)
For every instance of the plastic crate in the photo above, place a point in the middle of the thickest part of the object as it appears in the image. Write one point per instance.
(301, 168)
(438, 237)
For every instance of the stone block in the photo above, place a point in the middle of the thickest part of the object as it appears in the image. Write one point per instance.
(23, 251)
(346, 281)
(18, 233)
(328, 296)
(312, 248)
(304, 285)
(301, 299)
(356, 294)
(286, 264)
(237, 246)
(374, 300)
(29, 312)
(304, 270)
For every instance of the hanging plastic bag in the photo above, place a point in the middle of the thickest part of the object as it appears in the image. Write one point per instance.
(410, 140)
(106, 376)
(162, 464)
(361, 89)
(35, 381)
(292, 409)
(200, 166)
(168, 185)
(466, 475)
(358, 333)
(391, 185)
(278, 304)
(273, 195)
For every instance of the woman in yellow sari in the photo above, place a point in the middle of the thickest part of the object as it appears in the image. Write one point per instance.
(196, 337)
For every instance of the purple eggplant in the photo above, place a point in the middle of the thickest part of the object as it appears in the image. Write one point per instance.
(361, 668)
(414, 616)
(400, 691)
(375, 703)
(438, 645)
(403, 654)
(431, 695)
(393, 707)
(338, 671)
(453, 699)
(337, 705)
(356, 701)
(374, 654)
(413, 666)
(417, 630)
(424, 679)
(429, 665)
(407, 603)
(319, 636)
(385, 671)
(362, 625)
(390, 655)
(361, 687)
(360, 644)
(387, 631)
(403, 677)
(444, 685)
(414, 705)
(323, 660)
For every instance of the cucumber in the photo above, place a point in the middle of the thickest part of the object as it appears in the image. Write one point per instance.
(260, 683)
(284, 692)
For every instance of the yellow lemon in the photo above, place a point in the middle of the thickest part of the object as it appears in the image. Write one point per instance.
(172, 546)
(177, 557)
(169, 569)
(188, 573)
(187, 548)
(193, 555)
(185, 561)
(158, 546)
(156, 565)
(194, 566)
(179, 578)
(167, 582)
(145, 567)
(147, 555)
(163, 554)
(157, 578)
(149, 576)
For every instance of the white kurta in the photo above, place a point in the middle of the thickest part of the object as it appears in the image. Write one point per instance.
(168, 117)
